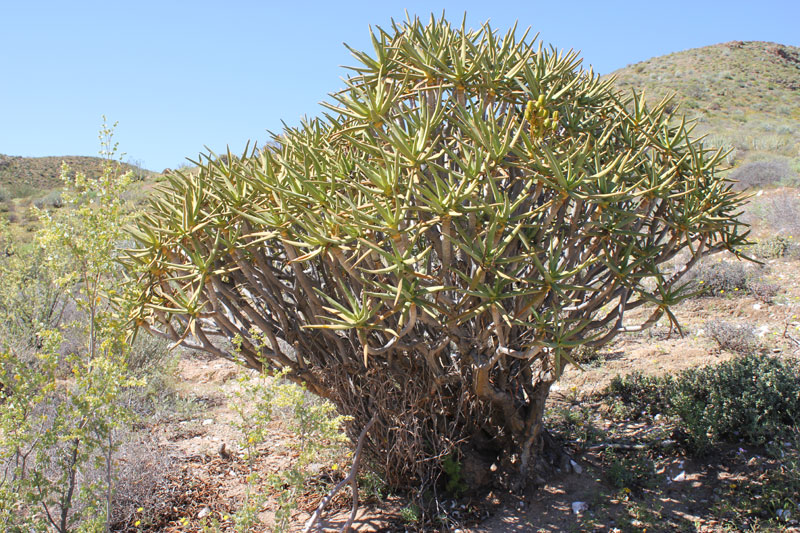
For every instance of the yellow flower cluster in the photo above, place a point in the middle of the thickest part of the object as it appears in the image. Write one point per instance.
(540, 118)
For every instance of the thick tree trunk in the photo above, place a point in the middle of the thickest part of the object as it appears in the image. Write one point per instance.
(421, 418)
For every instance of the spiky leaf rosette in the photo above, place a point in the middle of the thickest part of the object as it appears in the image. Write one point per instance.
(468, 210)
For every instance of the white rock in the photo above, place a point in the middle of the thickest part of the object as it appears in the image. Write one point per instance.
(761, 331)
(579, 507)
(575, 467)
(208, 421)
(204, 512)
(680, 477)
(757, 307)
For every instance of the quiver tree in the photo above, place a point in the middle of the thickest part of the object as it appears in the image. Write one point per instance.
(468, 210)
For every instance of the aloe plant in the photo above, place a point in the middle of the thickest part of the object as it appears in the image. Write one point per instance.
(467, 211)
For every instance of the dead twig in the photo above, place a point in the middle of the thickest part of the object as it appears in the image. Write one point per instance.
(351, 478)
(625, 446)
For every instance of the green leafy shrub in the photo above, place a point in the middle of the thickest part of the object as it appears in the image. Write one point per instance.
(638, 395)
(751, 399)
(469, 209)
(63, 380)
(629, 471)
(455, 485)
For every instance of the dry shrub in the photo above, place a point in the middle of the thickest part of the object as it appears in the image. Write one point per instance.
(719, 278)
(763, 173)
(762, 290)
(772, 248)
(735, 337)
(142, 472)
(783, 214)
(729, 278)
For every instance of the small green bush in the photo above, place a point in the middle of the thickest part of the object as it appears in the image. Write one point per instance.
(318, 439)
(638, 395)
(452, 470)
(628, 470)
(750, 399)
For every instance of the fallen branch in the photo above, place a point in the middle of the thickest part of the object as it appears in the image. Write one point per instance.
(351, 478)
(791, 338)
(623, 446)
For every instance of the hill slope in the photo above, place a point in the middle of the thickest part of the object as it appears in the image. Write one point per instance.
(28, 176)
(746, 95)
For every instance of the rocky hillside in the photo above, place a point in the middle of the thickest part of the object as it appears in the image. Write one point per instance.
(29, 176)
(745, 95)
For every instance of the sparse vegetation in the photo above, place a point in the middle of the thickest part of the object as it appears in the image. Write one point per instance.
(745, 95)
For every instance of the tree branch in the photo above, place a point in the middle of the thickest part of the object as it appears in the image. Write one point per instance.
(351, 478)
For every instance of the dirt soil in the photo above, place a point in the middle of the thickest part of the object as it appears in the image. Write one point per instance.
(209, 482)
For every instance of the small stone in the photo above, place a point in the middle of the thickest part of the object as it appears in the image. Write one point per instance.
(579, 507)
(680, 477)
(208, 421)
(204, 512)
(757, 307)
(575, 467)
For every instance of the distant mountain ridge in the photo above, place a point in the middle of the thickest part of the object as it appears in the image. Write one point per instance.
(745, 94)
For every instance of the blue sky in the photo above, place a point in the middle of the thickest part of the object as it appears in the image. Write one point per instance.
(180, 75)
